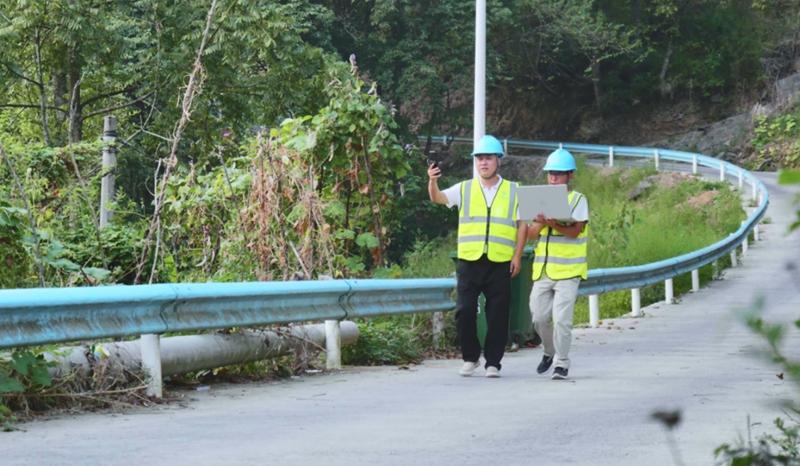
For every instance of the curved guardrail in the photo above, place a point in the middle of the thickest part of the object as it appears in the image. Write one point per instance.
(635, 277)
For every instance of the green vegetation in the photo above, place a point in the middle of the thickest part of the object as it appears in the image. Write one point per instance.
(776, 141)
(672, 215)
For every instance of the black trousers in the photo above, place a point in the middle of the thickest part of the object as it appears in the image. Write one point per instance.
(493, 279)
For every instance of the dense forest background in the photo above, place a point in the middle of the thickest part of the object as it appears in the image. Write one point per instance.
(277, 139)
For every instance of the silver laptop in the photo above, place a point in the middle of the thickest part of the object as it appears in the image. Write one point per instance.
(546, 199)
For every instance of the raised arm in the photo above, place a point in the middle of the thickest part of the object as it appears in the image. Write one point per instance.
(436, 195)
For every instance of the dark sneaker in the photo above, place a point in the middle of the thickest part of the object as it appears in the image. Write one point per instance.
(560, 373)
(547, 361)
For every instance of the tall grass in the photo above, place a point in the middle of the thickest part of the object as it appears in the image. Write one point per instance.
(663, 221)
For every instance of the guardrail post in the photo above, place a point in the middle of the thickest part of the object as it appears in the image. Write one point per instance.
(594, 310)
(655, 157)
(611, 156)
(560, 145)
(669, 293)
(333, 345)
(438, 329)
(694, 164)
(755, 233)
(505, 146)
(734, 260)
(754, 196)
(744, 244)
(150, 345)
(721, 171)
(741, 179)
(696, 280)
(636, 302)
(715, 272)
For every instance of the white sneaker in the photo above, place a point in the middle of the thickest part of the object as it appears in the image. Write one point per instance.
(492, 372)
(468, 368)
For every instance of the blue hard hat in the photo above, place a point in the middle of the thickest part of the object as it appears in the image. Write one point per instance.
(560, 160)
(488, 145)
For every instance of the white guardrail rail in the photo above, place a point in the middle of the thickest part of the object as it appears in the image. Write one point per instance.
(635, 277)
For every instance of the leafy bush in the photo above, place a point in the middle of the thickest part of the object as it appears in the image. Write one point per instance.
(389, 340)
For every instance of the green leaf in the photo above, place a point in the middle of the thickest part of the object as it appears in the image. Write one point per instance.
(367, 240)
(40, 375)
(97, 273)
(789, 176)
(21, 362)
(10, 384)
(345, 234)
(64, 264)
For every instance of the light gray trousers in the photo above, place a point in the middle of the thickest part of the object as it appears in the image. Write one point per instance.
(553, 304)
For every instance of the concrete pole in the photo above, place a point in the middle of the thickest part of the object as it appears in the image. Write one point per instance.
(109, 164)
(333, 345)
(721, 171)
(655, 157)
(694, 164)
(696, 280)
(186, 353)
(636, 302)
(594, 310)
(479, 109)
(610, 156)
(669, 291)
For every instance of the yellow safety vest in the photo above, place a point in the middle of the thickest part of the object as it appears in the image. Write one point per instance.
(559, 256)
(483, 229)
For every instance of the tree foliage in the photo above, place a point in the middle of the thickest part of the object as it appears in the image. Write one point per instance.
(274, 85)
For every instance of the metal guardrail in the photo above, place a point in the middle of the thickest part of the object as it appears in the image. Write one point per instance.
(51, 315)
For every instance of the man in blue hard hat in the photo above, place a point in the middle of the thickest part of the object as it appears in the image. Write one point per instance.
(559, 265)
(490, 244)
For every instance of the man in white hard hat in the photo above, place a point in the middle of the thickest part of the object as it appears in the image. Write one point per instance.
(490, 244)
(559, 265)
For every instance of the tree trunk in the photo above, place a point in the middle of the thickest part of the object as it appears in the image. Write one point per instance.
(636, 12)
(596, 82)
(75, 108)
(42, 94)
(59, 101)
(664, 87)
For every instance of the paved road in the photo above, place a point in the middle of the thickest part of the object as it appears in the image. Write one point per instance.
(693, 356)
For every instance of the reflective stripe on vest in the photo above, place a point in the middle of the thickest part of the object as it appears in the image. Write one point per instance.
(561, 257)
(487, 230)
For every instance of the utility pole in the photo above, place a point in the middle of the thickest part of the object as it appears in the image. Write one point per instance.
(479, 109)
